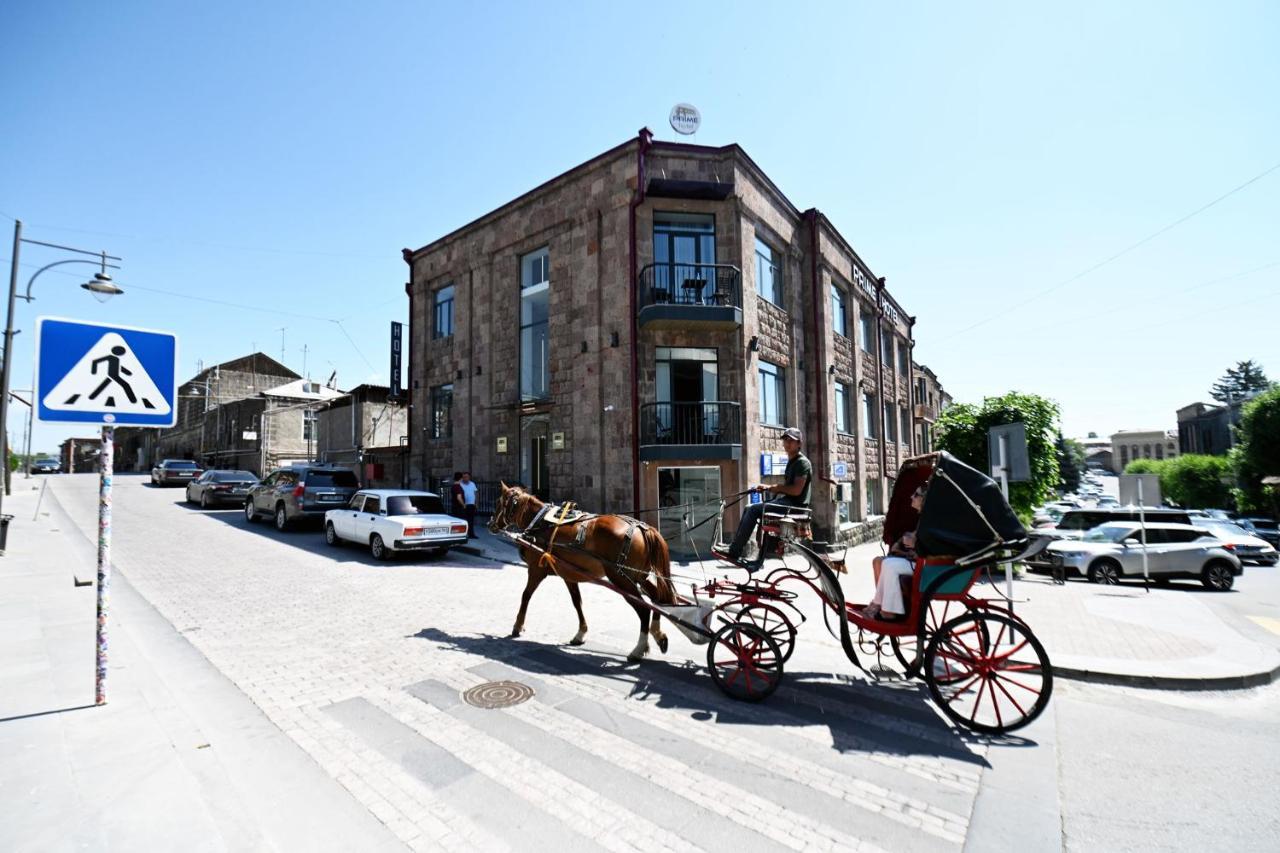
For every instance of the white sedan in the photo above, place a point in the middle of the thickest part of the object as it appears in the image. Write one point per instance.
(391, 520)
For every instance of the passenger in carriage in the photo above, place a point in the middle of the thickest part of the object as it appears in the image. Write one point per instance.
(888, 605)
(792, 495)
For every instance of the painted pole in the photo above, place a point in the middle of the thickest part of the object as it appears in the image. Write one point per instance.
(1004, 487)
(1142, 526)
(107, 464)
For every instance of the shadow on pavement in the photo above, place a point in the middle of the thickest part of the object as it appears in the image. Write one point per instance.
(888, 717)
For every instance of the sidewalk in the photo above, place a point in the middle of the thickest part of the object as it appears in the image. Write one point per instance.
(179, 758)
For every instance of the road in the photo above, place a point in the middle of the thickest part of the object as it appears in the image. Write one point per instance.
(362, 664)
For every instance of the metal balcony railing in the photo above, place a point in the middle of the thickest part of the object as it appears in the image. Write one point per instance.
(717, 285)
(708, 422)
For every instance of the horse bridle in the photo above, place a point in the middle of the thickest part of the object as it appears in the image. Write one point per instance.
(504, 507)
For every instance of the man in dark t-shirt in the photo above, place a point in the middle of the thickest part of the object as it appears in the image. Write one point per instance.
(795, 492)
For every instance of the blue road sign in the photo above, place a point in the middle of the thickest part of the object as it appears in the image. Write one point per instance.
(100, 374)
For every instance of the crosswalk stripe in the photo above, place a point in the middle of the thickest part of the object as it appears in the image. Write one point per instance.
(1272, 625)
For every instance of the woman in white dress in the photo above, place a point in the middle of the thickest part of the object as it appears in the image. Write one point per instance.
(887, 605)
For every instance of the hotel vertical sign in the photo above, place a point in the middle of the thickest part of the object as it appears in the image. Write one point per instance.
(397, 334)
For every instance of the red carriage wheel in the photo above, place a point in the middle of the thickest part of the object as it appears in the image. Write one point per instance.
(907, 648)
(745, 662)
(773, 622)
(988, 672)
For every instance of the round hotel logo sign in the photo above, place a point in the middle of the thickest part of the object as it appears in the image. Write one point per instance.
(685, 119)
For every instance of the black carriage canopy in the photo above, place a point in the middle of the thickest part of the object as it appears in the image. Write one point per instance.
(964, 510)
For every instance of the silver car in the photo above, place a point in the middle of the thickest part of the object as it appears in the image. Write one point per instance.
(1113, 552)
(1237, 540)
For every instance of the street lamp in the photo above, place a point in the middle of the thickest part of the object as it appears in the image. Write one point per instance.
(102, 288)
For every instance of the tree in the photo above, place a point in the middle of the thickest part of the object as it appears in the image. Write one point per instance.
(962, 431)
(1257, 454)
(1240, 382)
(1071, 462)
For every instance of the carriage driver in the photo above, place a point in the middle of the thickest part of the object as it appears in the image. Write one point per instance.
(793, 494)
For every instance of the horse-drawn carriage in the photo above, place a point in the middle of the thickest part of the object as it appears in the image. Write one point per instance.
(982, 664)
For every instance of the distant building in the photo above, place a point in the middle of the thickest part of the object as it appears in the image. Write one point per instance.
(931, 401)
(279, 426)
(367, 431)
(79, 455)
(1206, 428)
(1130, 445)
(1097, 452)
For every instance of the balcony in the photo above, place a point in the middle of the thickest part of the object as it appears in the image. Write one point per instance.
(690, 296)
(708, 430)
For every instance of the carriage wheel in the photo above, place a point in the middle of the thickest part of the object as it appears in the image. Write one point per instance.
(988, 672)
(908, 648)
(773, 622)
(745, 662)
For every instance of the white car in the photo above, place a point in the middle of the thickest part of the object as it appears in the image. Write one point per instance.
(391, 520)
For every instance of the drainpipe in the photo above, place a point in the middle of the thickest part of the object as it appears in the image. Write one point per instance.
(911, 384)
(637, 199)
(884, 459)
(811, 216)
(407, 254)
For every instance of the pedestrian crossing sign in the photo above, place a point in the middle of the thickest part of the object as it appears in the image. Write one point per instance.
(100, 374)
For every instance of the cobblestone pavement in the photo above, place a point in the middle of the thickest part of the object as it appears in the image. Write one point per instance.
(362, 664)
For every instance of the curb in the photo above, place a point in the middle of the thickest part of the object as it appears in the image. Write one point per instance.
(1165, 682)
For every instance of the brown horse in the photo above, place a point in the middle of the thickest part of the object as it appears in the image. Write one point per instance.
(615, 548)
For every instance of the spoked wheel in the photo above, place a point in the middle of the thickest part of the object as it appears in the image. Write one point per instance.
(773, 622)
(745, 662)
(988, 672)
(908, 648)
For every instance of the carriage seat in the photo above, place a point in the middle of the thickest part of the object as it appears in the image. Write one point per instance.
(556, 516)
(794, 524)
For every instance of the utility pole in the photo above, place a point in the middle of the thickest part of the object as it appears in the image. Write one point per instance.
(305, 375)
(281, 330)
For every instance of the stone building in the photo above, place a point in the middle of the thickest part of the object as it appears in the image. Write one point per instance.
(202, 431)
(930, 401)
(80, 455)
(636, 333)
(366, 429)
(1130, 445)
(1206, 428)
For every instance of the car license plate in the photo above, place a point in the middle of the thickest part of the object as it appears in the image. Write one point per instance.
(240, 490)
(437, 529)
(330, 497)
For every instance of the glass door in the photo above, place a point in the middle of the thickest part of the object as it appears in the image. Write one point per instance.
(687, 497)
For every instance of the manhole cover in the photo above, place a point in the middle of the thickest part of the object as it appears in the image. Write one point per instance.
(498, 694)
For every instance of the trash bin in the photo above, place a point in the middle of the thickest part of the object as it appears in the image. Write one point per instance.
(4, 531)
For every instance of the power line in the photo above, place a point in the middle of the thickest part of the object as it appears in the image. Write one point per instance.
(343, 329)
(1115, 257)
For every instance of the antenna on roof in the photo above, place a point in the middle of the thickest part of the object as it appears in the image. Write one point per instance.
(281, 331)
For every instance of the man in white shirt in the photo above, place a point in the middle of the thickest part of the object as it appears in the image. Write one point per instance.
(469, 491)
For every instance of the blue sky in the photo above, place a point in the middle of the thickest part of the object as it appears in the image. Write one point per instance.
(278, 156)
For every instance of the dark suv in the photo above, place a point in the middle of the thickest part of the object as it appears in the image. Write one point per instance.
(300, 491)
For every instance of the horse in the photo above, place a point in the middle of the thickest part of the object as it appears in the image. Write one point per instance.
(592, 548)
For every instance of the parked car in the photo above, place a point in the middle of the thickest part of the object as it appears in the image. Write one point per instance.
(1237, 540)
(1263, 528)
(1108, 501)
(1114, 551)
(1075, 522)
(171, 472)
(291, 494)
(392, 520)
(220, 487)
(46, 465)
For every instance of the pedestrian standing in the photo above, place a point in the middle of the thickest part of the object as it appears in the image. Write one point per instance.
(469, 492)
(457, 505)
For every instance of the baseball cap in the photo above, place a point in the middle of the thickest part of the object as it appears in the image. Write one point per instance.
(792, 433)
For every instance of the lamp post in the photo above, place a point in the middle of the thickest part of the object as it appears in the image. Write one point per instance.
(101, 286)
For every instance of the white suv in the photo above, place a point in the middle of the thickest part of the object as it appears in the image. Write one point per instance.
(1114, 551)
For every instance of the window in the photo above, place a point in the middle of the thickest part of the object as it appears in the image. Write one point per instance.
(535, 286)
(839, 320)
(310, 387)
(868, 323)
(768, 273)
(441, 425)
(372, 505)
(890, 423)
(906, 425)
(843, 421)
(870, 414)
(903, 352)
(308, 425)
(357, 501)
(873, 497)
(414, 505)
(1159, 451)
(684, 248)
(886, 347)
(773, 394)
(442, 326)
(844, 512)
(1124, 456)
